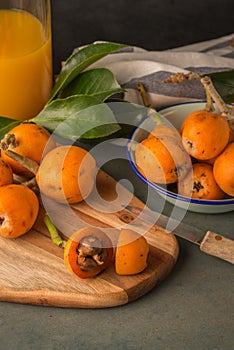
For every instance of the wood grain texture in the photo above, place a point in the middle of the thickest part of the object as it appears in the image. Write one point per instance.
(33, 270)
(219, 246)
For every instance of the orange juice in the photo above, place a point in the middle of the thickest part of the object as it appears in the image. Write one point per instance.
(25, 65)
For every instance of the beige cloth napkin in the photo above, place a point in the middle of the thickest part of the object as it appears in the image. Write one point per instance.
(151, 68)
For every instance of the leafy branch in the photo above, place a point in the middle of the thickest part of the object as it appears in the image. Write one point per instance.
(77, 105)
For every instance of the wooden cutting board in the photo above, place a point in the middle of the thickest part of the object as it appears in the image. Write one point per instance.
(32, 269)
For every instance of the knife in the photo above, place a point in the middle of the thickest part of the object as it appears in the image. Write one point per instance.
(211, 243)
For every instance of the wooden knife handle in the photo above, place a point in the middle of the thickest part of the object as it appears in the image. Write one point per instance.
(219, 246)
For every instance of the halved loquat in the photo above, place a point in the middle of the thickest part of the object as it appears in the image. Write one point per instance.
(88, 252)
(131, 253)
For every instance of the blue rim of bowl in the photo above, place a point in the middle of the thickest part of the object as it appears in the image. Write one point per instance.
(175, 196)
(182, 103)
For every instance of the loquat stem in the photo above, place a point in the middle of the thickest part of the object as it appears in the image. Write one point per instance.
(56, 239)
(151, 111)
(29, 164)
(209, 107)
(143, 93)
(32, 183)
(224, 109)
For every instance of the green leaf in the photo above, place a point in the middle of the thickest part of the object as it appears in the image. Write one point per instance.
(224, 84)
(104, 95)
(128, 116)
(78, 116)
(98, 82)
(7, 124)
(80, 60)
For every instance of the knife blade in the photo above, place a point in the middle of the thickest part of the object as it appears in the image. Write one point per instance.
(211, 243)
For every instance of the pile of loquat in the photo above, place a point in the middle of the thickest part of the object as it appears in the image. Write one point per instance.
(32, 163)
(199, 158)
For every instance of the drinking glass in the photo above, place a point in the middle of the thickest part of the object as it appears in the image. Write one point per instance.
(25, 57)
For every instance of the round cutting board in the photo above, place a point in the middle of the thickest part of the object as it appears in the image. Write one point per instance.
(33, 269)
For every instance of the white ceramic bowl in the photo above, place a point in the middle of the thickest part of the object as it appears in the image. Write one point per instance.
(175, 115)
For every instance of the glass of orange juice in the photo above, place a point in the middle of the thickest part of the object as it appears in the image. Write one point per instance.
(25, 57)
